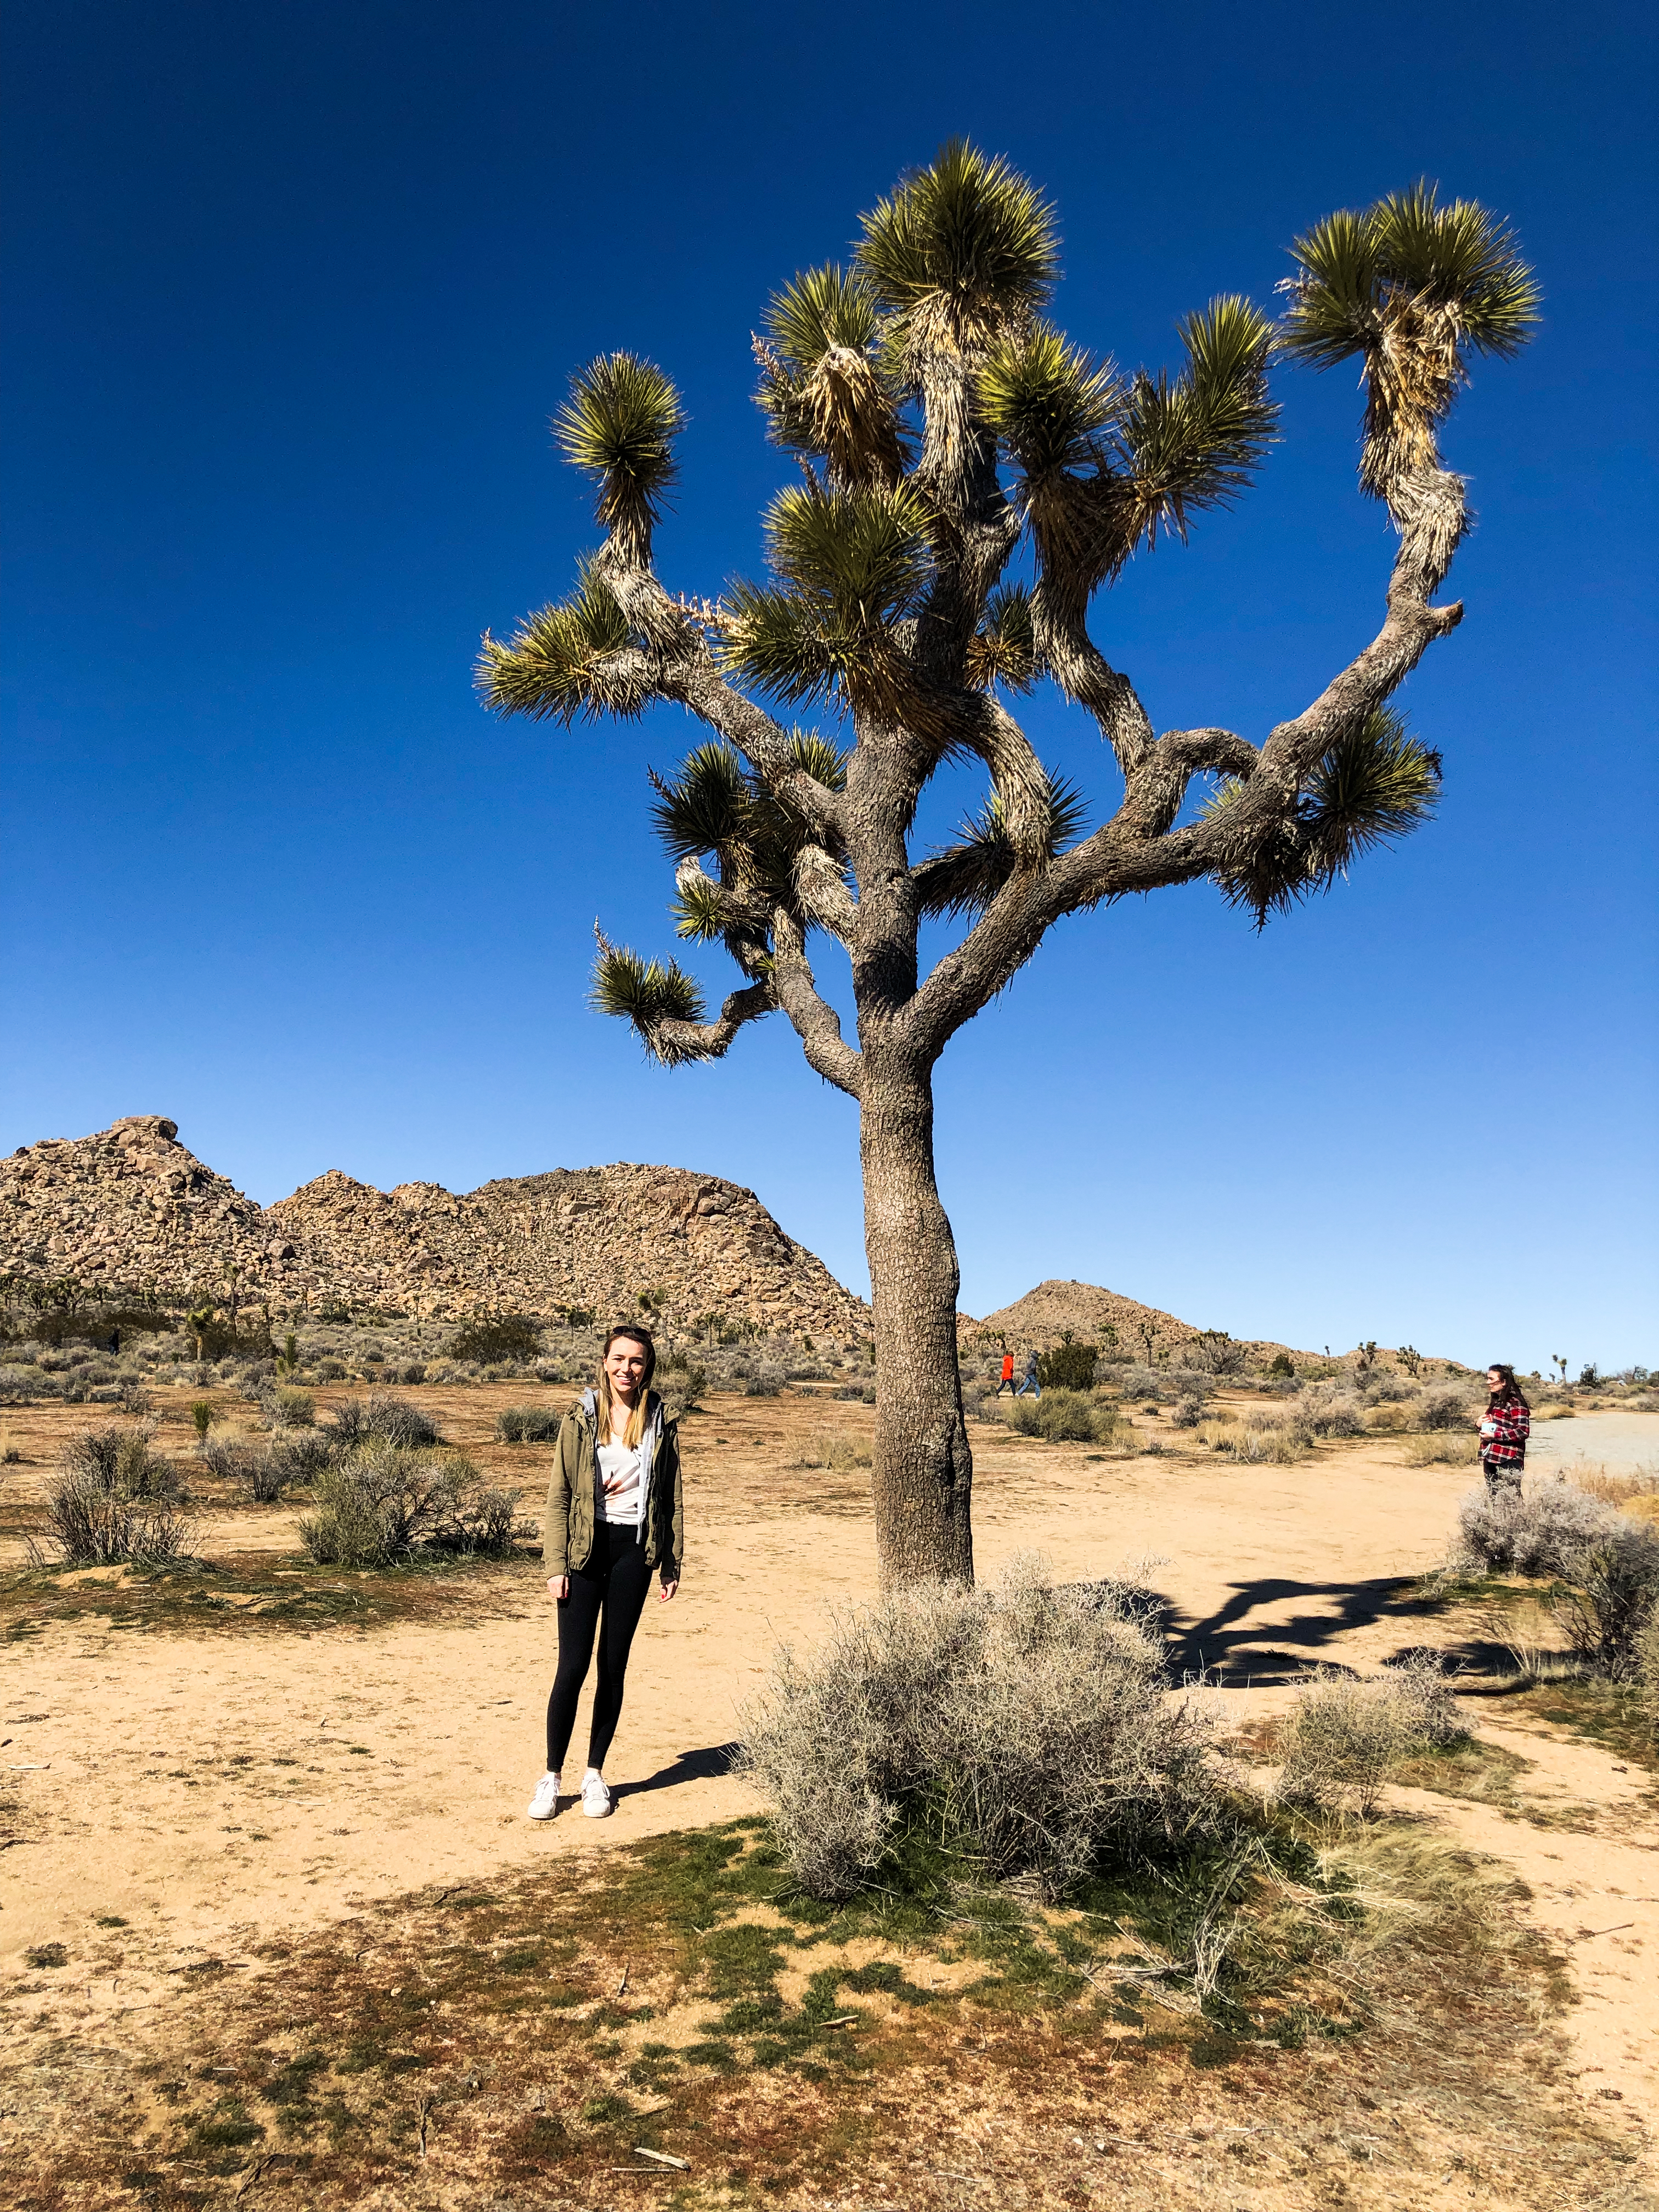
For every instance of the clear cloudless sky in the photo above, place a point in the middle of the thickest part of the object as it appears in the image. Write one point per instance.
(293, 289)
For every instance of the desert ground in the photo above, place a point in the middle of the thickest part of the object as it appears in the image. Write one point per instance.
(274, 1762)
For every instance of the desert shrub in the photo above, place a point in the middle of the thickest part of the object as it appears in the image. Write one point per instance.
(1537, 1529)
(1188, 1412)
(765, 1380)
(528, 1425)
(682, 1388)
(412, 1371)
(492, 1337)
(1384, 1387)
(331, 1370)
(1344, 1733)
(1613, 1598)
(111, 1503)
(1647, 1667)
(381, 1416)
(1446, 1409)
(93, 1527)
(1067, 1365)
(475, 1516)
(1443, 1448)
(373, 1507)
(122, 1459)
(379, 1505)
(1390, 1420)
(1061, 1417)
(840, 1453)
(1330, 1413)
(266, 1476)
(1281, 1366)
(1275, 1443)
(292, 1408)
(305, 1453)
(1024, 1726)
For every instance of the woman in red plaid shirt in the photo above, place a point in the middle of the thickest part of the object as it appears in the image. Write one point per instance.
(1503, 1429)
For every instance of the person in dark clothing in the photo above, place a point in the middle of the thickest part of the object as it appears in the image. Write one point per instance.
(1504, 1427)
(614, 1513)
(1028, 1379)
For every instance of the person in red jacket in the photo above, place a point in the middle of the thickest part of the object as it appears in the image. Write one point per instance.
(1504, 1427)
(1008, 1382)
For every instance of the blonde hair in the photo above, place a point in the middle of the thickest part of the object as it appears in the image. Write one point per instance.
(640, 1410)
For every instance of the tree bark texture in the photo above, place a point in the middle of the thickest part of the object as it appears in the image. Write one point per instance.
(922, 1478)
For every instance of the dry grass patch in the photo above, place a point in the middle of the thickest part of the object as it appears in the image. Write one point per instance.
(1335, 2021)
(262, 1593)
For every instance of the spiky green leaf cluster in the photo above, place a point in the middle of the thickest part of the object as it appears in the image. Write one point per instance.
(1408, 252)
(1192, 443)
(1376, 785)
(821, 386)
(619, 427)
(1004, 649)
(823, 310)
(1408, 285)
(964, 878)
(851, 563)
(561, 661)
(1048, 402)
(716, 806)
(646, 993)
(962, 251)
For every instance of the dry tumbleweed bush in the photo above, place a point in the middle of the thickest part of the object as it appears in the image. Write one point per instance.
(1029, 1725)
(1345, 1732)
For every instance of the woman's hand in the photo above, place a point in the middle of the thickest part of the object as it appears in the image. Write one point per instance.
(667, 1592)
(558, 1586)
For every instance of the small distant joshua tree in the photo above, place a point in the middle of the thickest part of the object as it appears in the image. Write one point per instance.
(970, 480)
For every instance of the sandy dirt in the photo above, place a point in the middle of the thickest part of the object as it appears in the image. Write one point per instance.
(208, 1790)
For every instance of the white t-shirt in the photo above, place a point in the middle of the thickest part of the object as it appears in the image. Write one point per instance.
(619, 1472)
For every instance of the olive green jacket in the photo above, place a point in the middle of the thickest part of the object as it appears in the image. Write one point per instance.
(573, 1507)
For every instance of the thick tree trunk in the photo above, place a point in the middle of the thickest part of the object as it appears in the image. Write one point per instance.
(924, 1471)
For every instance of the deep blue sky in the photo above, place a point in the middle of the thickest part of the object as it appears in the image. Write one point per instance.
(293, 289)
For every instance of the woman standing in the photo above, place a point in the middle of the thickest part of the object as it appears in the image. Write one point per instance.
(614, 1513)
(1504, 1427)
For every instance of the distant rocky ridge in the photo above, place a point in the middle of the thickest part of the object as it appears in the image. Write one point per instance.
(132, 1207)
(1100, 1316)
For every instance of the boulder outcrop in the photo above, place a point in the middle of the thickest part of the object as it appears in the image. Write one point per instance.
(130, 1207)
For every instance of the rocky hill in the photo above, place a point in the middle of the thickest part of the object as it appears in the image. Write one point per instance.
(1090, 1313)
(130, 1207)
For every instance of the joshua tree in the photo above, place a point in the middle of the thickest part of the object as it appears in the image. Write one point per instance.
(969, 480)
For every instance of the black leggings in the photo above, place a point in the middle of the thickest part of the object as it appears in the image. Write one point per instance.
(607, 1594)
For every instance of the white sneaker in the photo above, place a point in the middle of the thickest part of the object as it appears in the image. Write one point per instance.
(596, 1798)
(545, 1803)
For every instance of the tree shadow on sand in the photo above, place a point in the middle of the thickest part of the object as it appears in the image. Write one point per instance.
(1229, 1652)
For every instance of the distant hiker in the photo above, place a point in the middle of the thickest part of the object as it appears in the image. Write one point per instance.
(1504, 1427)
(1028, 1379)
(614, 1511)
(1008, 1382)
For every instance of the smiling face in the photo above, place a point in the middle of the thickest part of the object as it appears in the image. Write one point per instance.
(624, 1367)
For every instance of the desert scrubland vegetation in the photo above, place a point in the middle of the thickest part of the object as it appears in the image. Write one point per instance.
(1026, 1882)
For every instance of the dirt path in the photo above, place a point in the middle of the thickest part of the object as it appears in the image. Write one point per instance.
(205, 1790)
